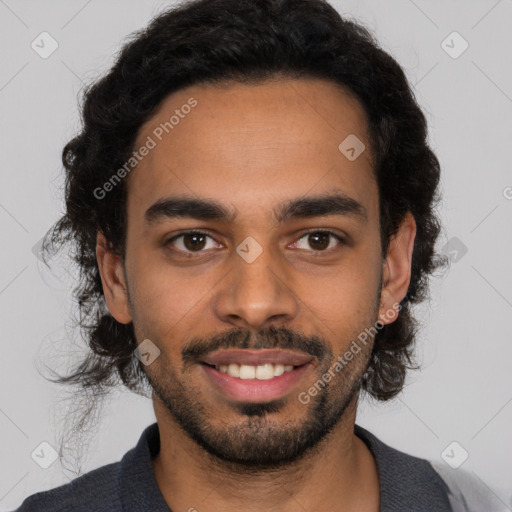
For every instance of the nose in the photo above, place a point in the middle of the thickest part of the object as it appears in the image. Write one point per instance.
(256, 295)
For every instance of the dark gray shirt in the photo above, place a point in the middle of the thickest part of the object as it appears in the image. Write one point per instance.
(407, 483)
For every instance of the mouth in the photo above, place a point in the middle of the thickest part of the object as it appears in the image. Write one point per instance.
(265, 371)
(255, 375)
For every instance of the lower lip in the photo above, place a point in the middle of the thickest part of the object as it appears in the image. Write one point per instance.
(255, 390)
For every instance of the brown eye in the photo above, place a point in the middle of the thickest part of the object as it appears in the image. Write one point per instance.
(193, 241)
(318, 240)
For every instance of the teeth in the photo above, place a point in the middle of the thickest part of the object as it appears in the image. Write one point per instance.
(264, 372)
(261, 372)
(234, 370)
(247, 372)
(279, 369)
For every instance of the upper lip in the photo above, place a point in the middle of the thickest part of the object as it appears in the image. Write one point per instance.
(256, 357)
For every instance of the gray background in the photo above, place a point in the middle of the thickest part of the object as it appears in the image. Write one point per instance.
(464, 391)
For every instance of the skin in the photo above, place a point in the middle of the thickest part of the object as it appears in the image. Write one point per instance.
(252, 147)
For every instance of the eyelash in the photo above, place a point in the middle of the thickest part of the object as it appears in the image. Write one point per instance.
(339, 238)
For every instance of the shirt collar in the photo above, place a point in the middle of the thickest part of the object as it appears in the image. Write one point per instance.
(406, 482)
(139, 489)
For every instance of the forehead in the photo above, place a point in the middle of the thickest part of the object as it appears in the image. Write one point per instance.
(251, 145)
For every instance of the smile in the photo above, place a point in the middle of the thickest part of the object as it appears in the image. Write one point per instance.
(255, 375)
(262, 372)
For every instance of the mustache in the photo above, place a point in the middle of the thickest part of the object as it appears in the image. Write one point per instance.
(271, 337)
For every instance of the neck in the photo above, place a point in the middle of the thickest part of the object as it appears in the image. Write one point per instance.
(339, 474)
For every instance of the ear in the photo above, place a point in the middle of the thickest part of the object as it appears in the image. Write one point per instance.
(112, 280)
(397, 270)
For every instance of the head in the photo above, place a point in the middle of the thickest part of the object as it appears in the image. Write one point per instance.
(251, 176)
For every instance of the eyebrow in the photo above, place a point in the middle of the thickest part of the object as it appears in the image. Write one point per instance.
(300, 208)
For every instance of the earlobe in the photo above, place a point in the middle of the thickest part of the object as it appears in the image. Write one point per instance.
(112, 279)
(396, 275)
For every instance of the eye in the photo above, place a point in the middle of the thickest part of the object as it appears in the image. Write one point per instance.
(199, 241)
(192, 241)
(318, 240)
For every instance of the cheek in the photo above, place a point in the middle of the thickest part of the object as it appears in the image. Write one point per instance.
(345, 301)
(350, 289)
(163, 297)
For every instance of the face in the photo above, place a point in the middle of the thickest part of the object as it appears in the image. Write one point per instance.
(253, 261)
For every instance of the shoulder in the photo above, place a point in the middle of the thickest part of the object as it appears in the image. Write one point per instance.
(107, 488)
(467, 493)
(406, 482)
(96, 490)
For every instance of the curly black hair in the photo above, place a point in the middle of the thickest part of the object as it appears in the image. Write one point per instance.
(212, 41)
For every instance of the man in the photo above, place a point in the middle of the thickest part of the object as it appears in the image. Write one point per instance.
(251, 203)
